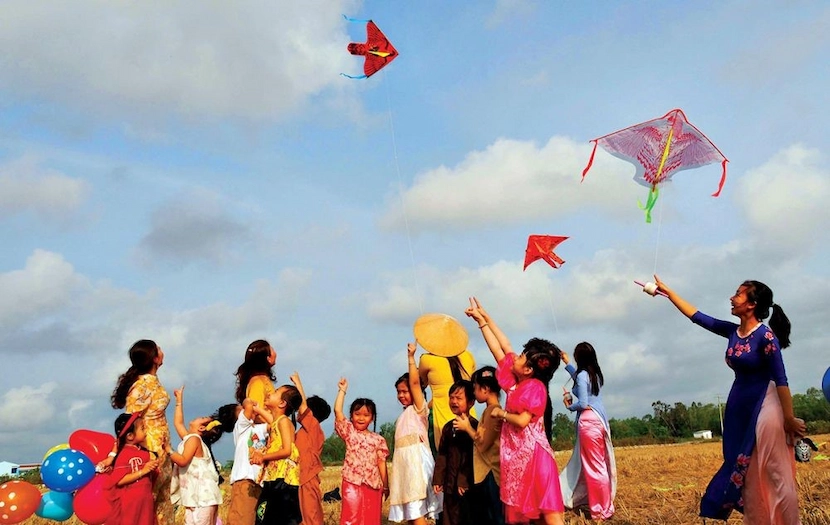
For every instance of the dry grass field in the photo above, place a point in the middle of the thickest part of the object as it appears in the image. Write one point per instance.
(658, 485)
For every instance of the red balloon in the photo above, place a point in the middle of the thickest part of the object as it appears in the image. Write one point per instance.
(96, 445)
(91, 504)
(18, 501)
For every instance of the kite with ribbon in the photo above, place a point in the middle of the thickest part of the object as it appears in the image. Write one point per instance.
(659, 148)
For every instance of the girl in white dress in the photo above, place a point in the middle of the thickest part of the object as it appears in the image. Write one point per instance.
(196, 479)
(411, 497)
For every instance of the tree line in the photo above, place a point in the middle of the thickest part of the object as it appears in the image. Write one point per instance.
(666, 424)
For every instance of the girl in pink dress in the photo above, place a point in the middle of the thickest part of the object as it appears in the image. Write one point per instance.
(365, 479)
(529, 476)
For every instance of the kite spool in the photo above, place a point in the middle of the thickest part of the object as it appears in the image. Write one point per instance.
(651, 288)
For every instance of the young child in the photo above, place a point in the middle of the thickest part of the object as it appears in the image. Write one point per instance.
(454, 465)
(365, 480)
(132, 474)
(310, 439)
(247, 438)
(530, 486)
(484, 496)
(195, 484)
(411, 497)
(280, 476)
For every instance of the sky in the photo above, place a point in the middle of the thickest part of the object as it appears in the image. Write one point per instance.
(200, 174)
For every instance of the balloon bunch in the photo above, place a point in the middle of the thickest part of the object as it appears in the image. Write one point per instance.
(68, 470)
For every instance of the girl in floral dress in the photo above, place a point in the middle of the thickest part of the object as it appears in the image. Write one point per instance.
(365, 480)
(139, 390)
(530, 487)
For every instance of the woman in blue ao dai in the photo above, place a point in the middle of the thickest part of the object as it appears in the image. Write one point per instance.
(757, 477)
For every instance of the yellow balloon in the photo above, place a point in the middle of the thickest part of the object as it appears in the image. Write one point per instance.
(62, 446)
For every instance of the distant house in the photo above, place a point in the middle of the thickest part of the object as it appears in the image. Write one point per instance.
(9, 469)
(703, 434)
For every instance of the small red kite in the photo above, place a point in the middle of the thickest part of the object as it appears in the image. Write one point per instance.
(377, 49)
(541, 247)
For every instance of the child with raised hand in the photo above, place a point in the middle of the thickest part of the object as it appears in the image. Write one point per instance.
(132, 474)
(279, 502)
(310, 439)
(411, 496)
(485, 502)
(454, 465)
(196, 478)
(530, 486)
(365, 480)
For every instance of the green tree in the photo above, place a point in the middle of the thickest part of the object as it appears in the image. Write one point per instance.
(387, 430)
(334, 450)
(811, 406)
(564, 433)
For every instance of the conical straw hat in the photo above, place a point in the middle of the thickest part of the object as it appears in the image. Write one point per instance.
(441, 335)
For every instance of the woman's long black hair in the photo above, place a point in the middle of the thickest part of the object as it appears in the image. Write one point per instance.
(256, 363)
(761, 294)
(586, 359)
(543, 357)
(142, 358)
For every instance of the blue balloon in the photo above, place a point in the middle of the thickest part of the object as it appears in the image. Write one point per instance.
(825, 384)
(55, 506)
(67, 470)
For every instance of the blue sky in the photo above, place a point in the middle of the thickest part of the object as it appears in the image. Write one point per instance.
(201, 175)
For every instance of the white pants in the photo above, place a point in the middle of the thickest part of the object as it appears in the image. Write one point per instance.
(201, 515)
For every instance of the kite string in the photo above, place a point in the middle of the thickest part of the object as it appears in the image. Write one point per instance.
(400, 196)
(659, 229)
(550, 303)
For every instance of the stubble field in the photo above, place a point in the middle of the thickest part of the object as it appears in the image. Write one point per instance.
(657, 485)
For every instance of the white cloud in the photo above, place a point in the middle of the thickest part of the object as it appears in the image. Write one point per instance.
(44, 286)
(257, 60)
(26, 186)
(510, 182)
(785, 199)
(26, 407)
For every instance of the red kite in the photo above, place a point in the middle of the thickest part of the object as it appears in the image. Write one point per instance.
(377, 49)
(541, 247)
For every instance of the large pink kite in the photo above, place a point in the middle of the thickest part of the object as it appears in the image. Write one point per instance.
(658, 148)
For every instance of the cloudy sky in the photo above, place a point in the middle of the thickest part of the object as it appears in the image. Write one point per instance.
(200, 174)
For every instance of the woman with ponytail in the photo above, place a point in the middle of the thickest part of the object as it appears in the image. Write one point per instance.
(758, 472)
(139, 391)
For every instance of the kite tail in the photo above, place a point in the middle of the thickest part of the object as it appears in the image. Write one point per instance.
(653, 193)
(590, 161)
(353, 77)
(722, 178)
(349, 19)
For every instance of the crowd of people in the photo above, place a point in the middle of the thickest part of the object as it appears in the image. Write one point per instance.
(448, 465)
